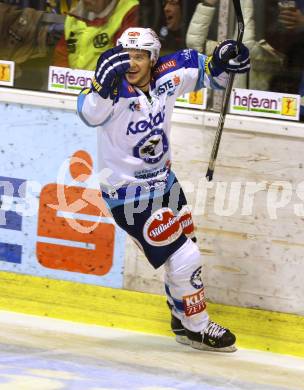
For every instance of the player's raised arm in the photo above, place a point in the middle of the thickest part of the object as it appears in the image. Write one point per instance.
(95, 105)
(224, 60)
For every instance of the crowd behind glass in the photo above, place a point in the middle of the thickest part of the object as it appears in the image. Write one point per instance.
(72, 33)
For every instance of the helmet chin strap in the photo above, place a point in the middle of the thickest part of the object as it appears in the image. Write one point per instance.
(148, 82)
(142, 86)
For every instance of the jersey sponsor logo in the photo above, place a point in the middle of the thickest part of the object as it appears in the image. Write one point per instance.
(152, 148)
(187, 54)
(185, 219)
(150, 173)
(134, 34)
(194, 303)
(135, 106)
(165, 66)
(157, 185)
(196, 278)
(131, 89)
(162, 228)
(176, 80)
(167, 86)
(154, 185)
(144, 125)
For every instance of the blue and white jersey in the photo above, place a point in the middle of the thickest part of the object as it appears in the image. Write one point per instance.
(134, 133)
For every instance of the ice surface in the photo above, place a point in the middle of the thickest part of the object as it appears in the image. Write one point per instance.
(46, 354)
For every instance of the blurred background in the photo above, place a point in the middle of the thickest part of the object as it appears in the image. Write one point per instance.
(38, 34)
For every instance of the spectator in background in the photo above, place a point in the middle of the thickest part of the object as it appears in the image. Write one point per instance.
(292, 18)
(286, 33)
(151, 14)
(92, 27)
(29, 31)
(58, 6)
(198, 31)
(265, 59)
(277, 60)
(176, 17)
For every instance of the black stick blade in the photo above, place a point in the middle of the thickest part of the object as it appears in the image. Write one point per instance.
(209, 174)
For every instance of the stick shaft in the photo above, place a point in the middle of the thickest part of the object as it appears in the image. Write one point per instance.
(224, 108)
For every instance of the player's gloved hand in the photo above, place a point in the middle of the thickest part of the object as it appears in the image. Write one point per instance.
(111, 66)
(226, 58)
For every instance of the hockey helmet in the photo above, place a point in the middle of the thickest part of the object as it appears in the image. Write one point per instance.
(142, 39)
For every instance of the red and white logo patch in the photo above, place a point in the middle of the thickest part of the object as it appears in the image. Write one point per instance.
(186, 221)
(194, 303)
(165, 66)
(134, 34)
(162, 228)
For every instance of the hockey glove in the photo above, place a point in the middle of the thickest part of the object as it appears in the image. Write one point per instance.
(225, 58)
(111, 66)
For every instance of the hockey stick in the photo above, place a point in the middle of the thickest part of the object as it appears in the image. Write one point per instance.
(224, 109)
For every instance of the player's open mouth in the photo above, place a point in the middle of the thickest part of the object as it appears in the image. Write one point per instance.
(132, 74)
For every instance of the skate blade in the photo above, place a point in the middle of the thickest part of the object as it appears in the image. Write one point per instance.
(182, 340)
(204, 347)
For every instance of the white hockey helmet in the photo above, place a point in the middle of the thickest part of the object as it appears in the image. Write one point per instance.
(142, 39)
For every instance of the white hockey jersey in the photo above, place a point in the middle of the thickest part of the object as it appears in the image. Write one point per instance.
(134, 153)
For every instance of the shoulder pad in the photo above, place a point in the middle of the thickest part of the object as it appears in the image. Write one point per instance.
(187, 58)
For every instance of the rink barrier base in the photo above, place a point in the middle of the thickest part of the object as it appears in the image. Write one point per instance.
(136, 311)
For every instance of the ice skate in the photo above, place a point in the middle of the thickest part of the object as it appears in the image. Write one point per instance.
(179, 331)
(213, 338)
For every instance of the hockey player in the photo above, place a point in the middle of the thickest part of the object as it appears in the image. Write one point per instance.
(131, 101)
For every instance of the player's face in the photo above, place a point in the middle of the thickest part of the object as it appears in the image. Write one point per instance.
(139, 73)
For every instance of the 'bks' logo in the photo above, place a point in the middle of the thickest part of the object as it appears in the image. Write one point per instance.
(162, 228)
